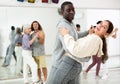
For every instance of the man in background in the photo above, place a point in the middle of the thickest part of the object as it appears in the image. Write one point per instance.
(78, 28)
(10, 50)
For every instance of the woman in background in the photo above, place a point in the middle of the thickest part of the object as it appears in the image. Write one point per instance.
(39, 50)
(18, 51)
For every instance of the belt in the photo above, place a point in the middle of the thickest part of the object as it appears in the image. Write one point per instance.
(68, 54)
(18, 44)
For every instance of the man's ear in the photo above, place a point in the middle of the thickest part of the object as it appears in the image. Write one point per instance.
(59, 11)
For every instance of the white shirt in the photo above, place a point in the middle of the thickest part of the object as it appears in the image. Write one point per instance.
(84, 47)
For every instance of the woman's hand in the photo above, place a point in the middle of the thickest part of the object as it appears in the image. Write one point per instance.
(115, 30)
(36, 35)
(64, 31)
(114, 33)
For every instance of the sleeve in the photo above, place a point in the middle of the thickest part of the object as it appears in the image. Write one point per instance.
(16, 38)
(62, 24)
(26, 41)
(10, 36)
(82, 34)
(83, 47)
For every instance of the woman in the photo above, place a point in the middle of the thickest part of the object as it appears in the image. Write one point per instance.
(38, 49)
(87, 46)
(18, 51)
(98, 59)
(28, 60)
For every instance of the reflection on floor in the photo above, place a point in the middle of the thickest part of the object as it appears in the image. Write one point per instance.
(7, 75)
(9, 71)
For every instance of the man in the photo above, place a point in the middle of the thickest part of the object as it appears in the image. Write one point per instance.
(10, 50)
(67, 10)
(78, 28)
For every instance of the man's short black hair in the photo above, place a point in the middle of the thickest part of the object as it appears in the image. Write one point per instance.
(77, 25)
(12, 27)
(64, 4)
(98, 22)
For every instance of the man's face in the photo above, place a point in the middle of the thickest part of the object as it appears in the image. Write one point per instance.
(78, 28)
(68, 12)
(27, 30)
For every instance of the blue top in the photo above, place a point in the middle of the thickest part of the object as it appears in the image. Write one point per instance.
(25, 42)
(18, 39)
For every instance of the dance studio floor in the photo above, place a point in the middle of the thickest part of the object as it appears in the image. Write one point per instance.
(7, 75)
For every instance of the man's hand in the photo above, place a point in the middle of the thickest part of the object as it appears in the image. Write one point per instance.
(64, 31)
(91, 30)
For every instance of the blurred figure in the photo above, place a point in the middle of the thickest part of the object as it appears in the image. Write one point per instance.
(18, 50)
(78, 28)
(10, 50)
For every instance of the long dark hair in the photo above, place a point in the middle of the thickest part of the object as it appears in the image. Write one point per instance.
(39, 26)
(104, 49)
(18, 31)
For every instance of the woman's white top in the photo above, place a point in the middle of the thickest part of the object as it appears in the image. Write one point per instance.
(84, 47)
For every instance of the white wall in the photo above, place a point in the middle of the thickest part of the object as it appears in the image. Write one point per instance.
(80, 18)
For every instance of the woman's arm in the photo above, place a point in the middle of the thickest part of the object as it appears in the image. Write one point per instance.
(42, 37)
(83, 47)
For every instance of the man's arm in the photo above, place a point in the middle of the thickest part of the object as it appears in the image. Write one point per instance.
(82, 34)
(85, 33)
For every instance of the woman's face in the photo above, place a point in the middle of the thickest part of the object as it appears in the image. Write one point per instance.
(35, 26)
(101, 29)
(28, 30)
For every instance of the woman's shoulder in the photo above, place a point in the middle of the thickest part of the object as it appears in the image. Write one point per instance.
(41, 31)
(95, 37)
